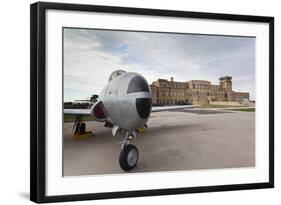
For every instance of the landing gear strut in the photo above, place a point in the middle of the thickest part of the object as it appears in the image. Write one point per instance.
(129, 154)
(79, 126)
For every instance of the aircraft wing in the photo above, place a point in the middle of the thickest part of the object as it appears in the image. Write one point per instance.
(87, 112)
(174, 107)
(79, 112)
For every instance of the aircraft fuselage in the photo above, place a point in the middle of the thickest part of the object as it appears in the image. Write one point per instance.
(125, 101)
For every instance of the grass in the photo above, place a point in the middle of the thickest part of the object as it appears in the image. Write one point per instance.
(72, 118)
(219, 106)
(244, 109)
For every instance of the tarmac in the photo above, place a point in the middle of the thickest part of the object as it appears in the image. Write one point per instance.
(191, 139)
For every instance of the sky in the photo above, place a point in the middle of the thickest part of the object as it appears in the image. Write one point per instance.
(90, 56)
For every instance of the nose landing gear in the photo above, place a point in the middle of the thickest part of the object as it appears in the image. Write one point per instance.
(129, 154)
(128, 157)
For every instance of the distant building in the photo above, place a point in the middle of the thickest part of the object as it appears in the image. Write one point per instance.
(200, 92)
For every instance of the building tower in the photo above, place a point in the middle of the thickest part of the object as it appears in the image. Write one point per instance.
(226, 85)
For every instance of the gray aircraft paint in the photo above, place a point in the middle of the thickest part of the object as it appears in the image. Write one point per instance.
(120, 105)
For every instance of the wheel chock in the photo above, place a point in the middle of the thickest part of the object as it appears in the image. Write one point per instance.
(82, 136)
(141, 130)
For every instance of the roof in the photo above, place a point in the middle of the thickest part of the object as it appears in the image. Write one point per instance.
(226, 78)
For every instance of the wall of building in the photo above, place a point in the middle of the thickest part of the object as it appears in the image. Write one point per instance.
(201, 92)
(224, 103)
(240, 96)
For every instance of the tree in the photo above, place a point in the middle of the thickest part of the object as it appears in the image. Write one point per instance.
(94, 98)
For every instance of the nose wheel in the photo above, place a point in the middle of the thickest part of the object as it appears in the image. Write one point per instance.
(129, 157)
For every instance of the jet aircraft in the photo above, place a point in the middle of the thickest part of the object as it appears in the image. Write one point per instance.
(124, 105)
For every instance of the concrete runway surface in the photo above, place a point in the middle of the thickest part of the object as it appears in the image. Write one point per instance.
(175, 140)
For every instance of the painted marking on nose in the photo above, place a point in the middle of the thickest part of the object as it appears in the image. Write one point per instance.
(138, 84)
(143, 107)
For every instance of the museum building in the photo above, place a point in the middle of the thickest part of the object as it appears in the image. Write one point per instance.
(201, 92)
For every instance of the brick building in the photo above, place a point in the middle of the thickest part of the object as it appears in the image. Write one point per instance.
(165, 92)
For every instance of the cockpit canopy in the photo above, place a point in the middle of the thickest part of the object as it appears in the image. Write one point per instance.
(115, 74)
(138, 84)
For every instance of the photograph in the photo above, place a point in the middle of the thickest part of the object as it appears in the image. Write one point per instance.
(145, 101)
(134, 102)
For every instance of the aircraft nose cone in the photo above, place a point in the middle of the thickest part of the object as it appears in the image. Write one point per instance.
(143, 107)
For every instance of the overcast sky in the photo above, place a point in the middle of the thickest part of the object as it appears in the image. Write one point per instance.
(91, 55)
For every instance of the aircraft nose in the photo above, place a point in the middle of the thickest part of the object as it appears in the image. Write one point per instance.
(137, 84)
(143, 107)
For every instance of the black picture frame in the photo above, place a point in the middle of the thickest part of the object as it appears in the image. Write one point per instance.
(38, 103)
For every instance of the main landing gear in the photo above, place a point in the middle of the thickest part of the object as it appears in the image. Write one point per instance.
(79, 130)
(129, 154)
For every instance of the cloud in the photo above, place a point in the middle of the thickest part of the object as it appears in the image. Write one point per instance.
(91, 55)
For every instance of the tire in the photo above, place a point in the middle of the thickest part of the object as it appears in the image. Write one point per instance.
(82, 128)
(129, 157)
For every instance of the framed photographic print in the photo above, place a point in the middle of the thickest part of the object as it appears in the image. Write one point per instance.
(129, 102)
